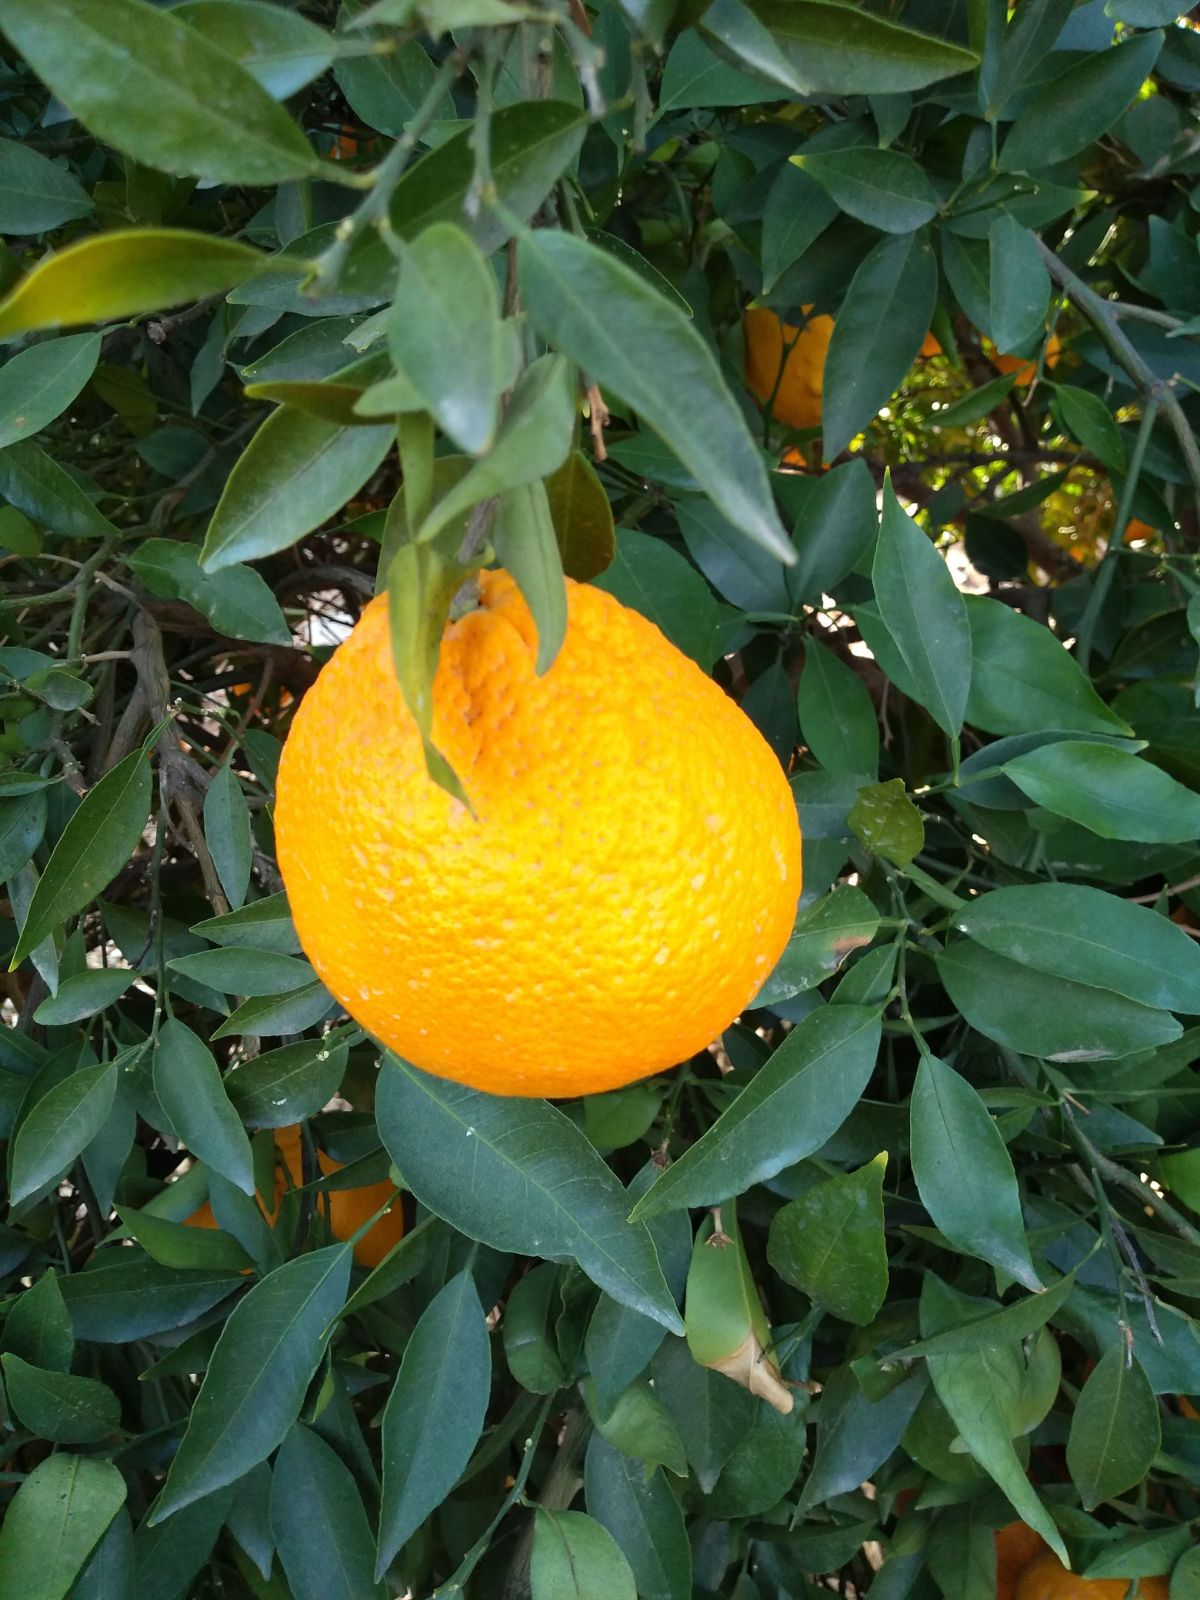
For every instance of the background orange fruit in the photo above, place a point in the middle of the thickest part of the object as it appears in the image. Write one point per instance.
(627, 882)
(1045, 1578)
(797, 402)
(1016, 1547)
(1022, 366)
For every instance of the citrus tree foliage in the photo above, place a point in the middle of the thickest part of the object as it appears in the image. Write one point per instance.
(301, 300)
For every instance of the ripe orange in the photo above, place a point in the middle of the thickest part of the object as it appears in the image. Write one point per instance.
(348, 1208)
(627, 881)
(1045, 1578)
(797, 401)
(930, 345)
(1021, 365)
(1016, 1546)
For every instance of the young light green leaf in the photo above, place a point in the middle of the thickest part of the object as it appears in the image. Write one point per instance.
(40, 383)
(837, 715)
(627, 336)
(830, 1244)
(924, 614)
(191, 1092)
(257, 1376)
(235, 600)
(318, 1524)
(526, 547)
(964, 1172)
(297, 471)
(824, 934)
(883, 188)
(151, 87)
(1110, 791)
(60, 1125)
(886, 822)
(53, 1522)
(37, 194)
(518, 1175)
(435, 1412)
(49, 495)
(227, 833)
(575, 1558)
(1115, 1431)
(792, 1105)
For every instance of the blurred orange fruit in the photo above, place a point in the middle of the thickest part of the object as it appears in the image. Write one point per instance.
(1024, 368)
(931, 346)
(1016, 1546)
(797, 402)
(1045, 1578)
(624, 882)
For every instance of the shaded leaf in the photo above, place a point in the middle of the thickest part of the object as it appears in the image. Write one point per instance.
(318, 1522)
(829, 1243)
(1115, 1430)
(53, 1522)
(191, 1092)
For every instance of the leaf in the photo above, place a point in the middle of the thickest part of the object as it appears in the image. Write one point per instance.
(22, 825)
(318, 1523)
(575, 1558)
(48, 495)
(650, 577)
(175, 1244)
(58, 1407)
(789, 1109)
(284, 1086)
(271, 1015)
(883, 188)
(264, 924)
(1109, 791)
(53, 1522)
(38, 1327)
(1023, 680)
(236, 600)
(825, 933)
(528, 1334)
(628, 337)
(1091, 422)
(1020, 284)
(975, 406)
(1115, 1430)
(446, 336)
(385, 91)
(878, 333)
(279, 49)
(151, 87)
(644, 1517)
(60, 1125)
(989, 1331)
(37, 194)
(797, 212)
(964, 1172)
(40, 383)
(295, 473)
(136, 1298)
(1041, 1015)
(724, 1319)
(855, 1434)
(108, 1574)
(125, 273)
(834, 525)
(520, 1176)
(434, 1413)
(191, 1092)
(887, 823)
(1076, 932)
(582, 518)
(837, 49)
(837, 715)
(641, 1427)
(829, 1243)
(83, 995)
(245, 971)
(227, 832)
(752, 578)
(1080, 104)
(257, 1376)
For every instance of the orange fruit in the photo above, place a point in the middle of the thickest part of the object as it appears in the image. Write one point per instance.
(348, 1208)
(1016, 1546)
(627, 880)
(1045, 1578)
(1135, 528)
(931, 346)
(797, 401)
(1021, 365)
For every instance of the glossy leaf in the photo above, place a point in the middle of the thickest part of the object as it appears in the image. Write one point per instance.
(1115, 1429)
(837, 717)
(883, 188)
(48, 495)
(318, 1523)
(40, 383)
(1079, 105)
(575, 1558)
(1113, 793)
(824, 935)
(235, 600)
(59, 1127)
(752, 578)
(191, 1092)
(53, 1522)
(830, 1244)
(1023, 680)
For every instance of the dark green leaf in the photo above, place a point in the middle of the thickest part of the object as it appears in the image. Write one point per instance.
(36, 193)
(284, 1086)
(53, 1522)
(22, 824)
(837, 715)
(38, 1327)
(650, 577)
(108, 1574)
(320, 1529)
(227, 829)
(987, 1331)
(235, 600)
(191, 1092)
(40, 383)
(644, 1517)
(84, 995)
(575, 1558)
(527, 1328)
(975, 406)
(797, 211)
(752, 578)
(1020, 285)
(582, 518)
(1108, 790)
(278, 48)
(1080, 104)
(58, 1407)
(856, 1434)
(830, 1244)
(239, 970)
(135, 1298)
(1115, 1431)
(59, 1127)
(265, 924)
(48, 495)
(1089, 419)
(834, 524)
(824, 934)
(883, 188)
(837, 49)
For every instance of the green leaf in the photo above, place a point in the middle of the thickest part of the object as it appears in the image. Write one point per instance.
(1108, 790)
(36, 194)
(1023, 680)
(829, 1243)
(825, 933)
(575, 1558)
(924, 614)
(1020, 284)
(238, 970)
(883, 188)
(434, 1414)
(967, 264)
(175, 1244)
(520, 1176)
(630, 338)
(878, 333)
(38, 1328)
(527, 1328)
(83, 995)
(191, 1092)
(695, 76)
(988, 1331)
(1041, 1015)
(1084, 934)
(837, 49)
(964, 1172)
(641, 1427)
(279, 49)
(40, 383)
(257, 1376)
(789, 1109)
(887, 823)
(975, 406)
(386, 90)
(797, 212)
(151, 87)
(108, 1574)
(855, 1434)
(48, 495)
(284, 1086)
(650, 577)
(265, 924)
(296, 472)
(752, 578)
(134, 1298)
(582, 518)
(318, 1523)
(235, 600)
(53, 1522)
(125, 273)
(1115, 1431)
(644, 1517)
(837, 715)
(834, 524)
(60, 1125)
(1086, 416)
(1081, 103)
(165, 1558)
(58, 1407)
(227, 830)
(271, 1015)
(445, 333)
